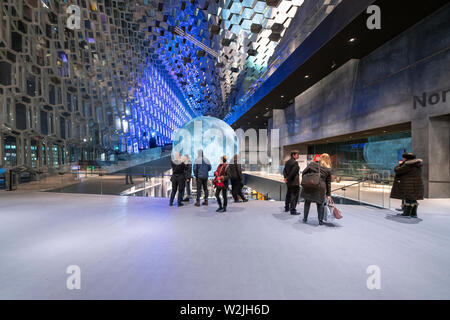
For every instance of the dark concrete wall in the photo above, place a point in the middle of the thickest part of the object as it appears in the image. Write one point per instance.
(387, 87)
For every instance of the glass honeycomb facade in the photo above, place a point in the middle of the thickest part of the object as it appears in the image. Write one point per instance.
(73, 95)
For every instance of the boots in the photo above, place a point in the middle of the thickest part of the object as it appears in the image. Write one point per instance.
(414, 210)
(205, 203)
(197, 203)
(407, 210)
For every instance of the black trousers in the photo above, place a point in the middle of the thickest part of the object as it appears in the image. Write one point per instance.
(224, 192)
(320, 210)
(128, 176)
(410, 202)
(178, 185)
(290, 203)
(202, 183)
(236, 189)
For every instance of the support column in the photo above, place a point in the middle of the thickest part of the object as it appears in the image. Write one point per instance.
(431, 142)
(439, 157)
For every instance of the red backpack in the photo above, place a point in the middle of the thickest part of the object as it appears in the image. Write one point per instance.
(219, 172)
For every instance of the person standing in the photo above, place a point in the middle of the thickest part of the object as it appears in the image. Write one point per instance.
(322, 191)
(236, 177)
(408, 184)
(188, 176)
(178, 179)
(128, 175)
(202, 166)
(221, 184)
(292, 180)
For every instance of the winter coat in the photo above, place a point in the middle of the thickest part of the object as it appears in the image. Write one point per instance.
(188, 171)
(291, 173)
(317, 194)
(408, 183)
(235, 172)
(202, 167)
(178, 170)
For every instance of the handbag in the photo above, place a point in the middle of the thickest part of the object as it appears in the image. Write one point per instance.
(311, 180)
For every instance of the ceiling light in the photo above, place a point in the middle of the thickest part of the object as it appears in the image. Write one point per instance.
(282, 96)
(351, 40)
(307, 76)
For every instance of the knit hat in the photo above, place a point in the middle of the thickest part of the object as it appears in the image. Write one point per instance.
(408, 155)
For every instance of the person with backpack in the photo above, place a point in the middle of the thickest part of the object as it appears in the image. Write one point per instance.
(178, 179)
(236, 177)
(220, 182)
(292, 180)
(316, 185)
(202, 166)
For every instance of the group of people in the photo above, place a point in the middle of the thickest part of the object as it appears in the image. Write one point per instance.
(316, 184)
(318, 192)
(225, 174)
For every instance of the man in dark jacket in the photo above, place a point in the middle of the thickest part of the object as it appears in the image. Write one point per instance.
(188, 174)
(291, 178)
(178, 179)
(236, 177)
(408, 184)
(202, 166)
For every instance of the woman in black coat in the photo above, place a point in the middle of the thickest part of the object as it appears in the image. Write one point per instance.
(235, 174)
(408, 184)
(318, 194)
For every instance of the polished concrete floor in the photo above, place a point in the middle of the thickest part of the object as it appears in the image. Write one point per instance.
(139, 248)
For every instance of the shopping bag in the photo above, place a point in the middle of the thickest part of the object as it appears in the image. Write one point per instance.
(328, 213)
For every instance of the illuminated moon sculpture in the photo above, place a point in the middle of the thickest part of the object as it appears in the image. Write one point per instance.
(214, 136)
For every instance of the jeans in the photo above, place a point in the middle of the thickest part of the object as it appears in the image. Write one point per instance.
(291, 200)
(126, 178)
(178, 184)
(320, 209)
(224, 192)
(202, 183)
(187, 190)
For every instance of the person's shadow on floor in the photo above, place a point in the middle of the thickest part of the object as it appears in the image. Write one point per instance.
(401, 219)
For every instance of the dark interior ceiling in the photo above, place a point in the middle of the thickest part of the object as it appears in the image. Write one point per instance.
(364, 134)
(397, 16)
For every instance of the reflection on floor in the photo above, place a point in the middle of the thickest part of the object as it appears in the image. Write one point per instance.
(135, 247)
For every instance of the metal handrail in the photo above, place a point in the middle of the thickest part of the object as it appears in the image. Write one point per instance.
(353, 184)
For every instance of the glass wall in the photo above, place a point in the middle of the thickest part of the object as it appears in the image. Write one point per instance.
(374, 157)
